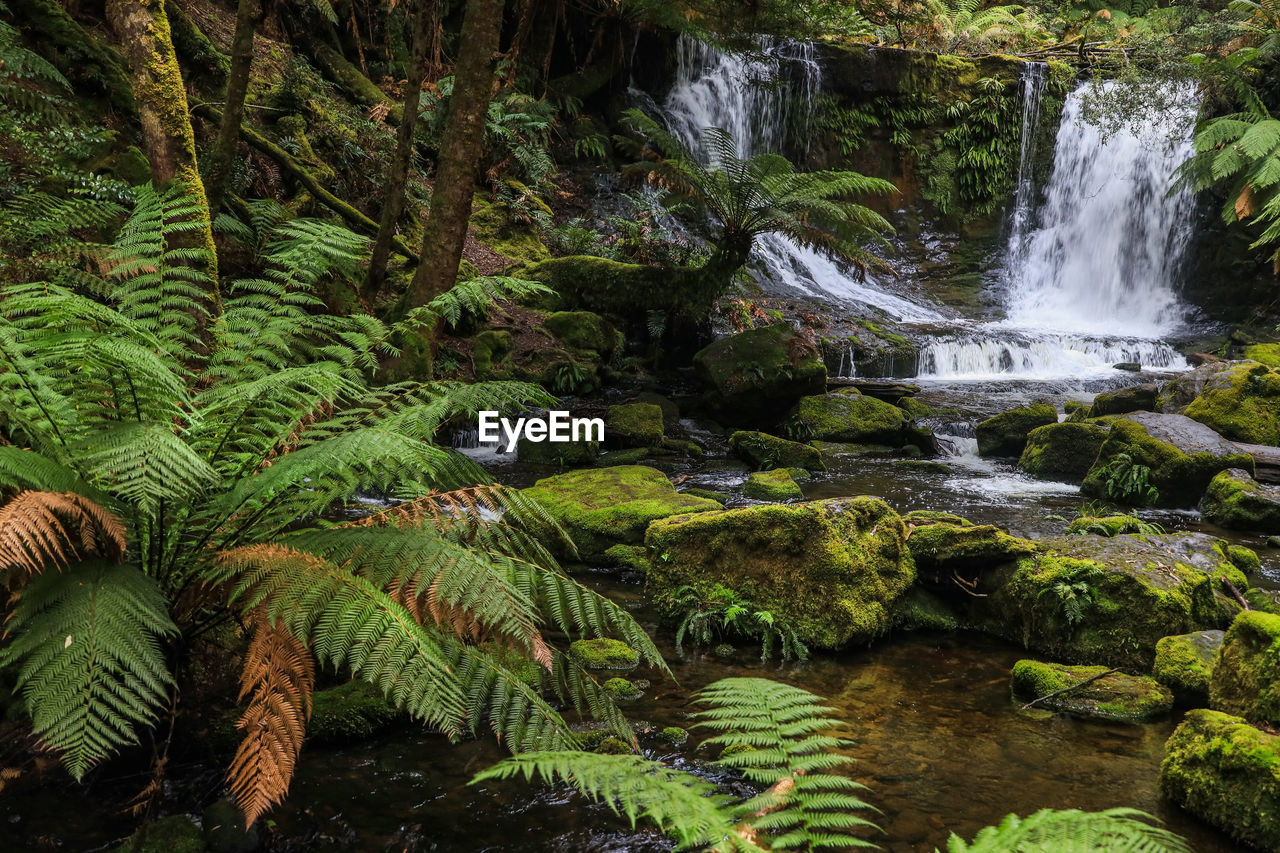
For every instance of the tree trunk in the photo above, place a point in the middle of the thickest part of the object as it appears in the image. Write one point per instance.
(143, 31)
(248, 16)
(424, 24)
(460, 153)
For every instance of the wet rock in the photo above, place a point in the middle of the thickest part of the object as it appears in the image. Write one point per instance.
(755, 376)
(1183, 455)
(1241, 403)
(1006, 433)
(634, 425)
(921, 610)
(946, 547)
(350, 712)
(565, 454)
(1184, 663)
(1246, 678)
(1135, 398)
(603, 507)
(775, 485)
(602, 653)
(763, 451)
(224, 829)
(1108, 525)
(1235, 500)
(830, 449)
(1227, 773)
(846, 416)
(621, 689)
(1114, 697)
(721, 498)
(1128, 366)
(585, 331)
(830, 569)
(670, 411)
(1062, 451)
(633, 558)
(1181, 391)
(1110, 600)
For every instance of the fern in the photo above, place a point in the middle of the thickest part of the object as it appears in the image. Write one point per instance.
(34, 532)
(1050, 831)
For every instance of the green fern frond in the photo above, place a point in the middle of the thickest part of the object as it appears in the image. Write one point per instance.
(1073, 831)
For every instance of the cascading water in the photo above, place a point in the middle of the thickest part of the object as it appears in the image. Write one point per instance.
(1091, 278)
(752, 98)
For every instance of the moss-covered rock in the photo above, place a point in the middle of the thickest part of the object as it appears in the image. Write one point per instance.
(633, 425)
(1183, 456)
(1091, 599)
(1268, 354)
(1265, 600)
(1184, 663)
(603, 653)
(831, 569)
(609, 506)
(583, 330)
(490, 351)
(1246, 678)
(1115, 697)
(721, 498)
(1006, 433)
(634, 558)
(674, 735)
(565, 454)
(1107, 525)
(775, 485)
(1227, 773)
(173, 834)
(921, 610)
(1062, 451)
(833, 449)
(1241, 403)
(847, 416)
(1181, 391)
(350, 712)
(763, 451)
(613, 746)
(1135, 398)
(1235, 500)
(949, 546)
(755, 376)
(621, 689)
(933, 516)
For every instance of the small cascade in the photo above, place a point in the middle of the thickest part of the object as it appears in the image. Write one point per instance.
(759, 100)
(1046, 356)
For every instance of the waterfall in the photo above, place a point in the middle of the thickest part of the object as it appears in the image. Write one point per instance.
(1024, 196)
(753, 98)
(1091, 277)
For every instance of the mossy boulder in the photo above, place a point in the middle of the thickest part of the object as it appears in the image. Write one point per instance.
(947, 546)
(1135, 398)
(1114, 697)
(1183, 456)
(1181, 391)
(1227, 773)
(1184, 663)
(1006, 433)
(621, 689)
(1246, 678)
(1265, 600)
(1235, 500)
(1268, 354)
(721, 498)
(921, 610)
(1241, 403)
(604, 507)
(490, 351)
(583, 330)
(674, 735)
(603, 653)
(634, 425)
(831, 569)
(755, 376)
(1062, 451)
(833, 449)
(1107, 525)
(634, 558)
(775, 485)
(565, 454)
(350, 712)
(613, 746)
(847, 416)
(1092, 599)
(173, 834)
(934, 516)
(762, 451)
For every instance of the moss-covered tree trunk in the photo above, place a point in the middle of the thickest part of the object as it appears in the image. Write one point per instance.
(248, 16)
(460, 152)
(424, 26)
(142, 29)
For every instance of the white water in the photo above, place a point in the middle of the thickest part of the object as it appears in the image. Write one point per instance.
(1091, 278)
(752, 98)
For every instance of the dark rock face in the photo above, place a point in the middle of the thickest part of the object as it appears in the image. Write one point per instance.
(1135, 398)
(1006, 433)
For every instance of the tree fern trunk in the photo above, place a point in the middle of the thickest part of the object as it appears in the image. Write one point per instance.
(142, 28)
(248, 16)
(424, 27)
(460, 153)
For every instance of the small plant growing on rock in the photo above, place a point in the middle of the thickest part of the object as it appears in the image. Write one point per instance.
(723, 613)
(1130, 482)
(1072, 594)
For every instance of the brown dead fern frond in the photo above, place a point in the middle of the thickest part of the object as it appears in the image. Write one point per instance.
(278, 678)
(42, 529)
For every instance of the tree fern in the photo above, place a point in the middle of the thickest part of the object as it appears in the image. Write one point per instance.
(1072, 831)
(40, 530)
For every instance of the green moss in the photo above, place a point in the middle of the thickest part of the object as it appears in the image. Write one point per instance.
(1006, 433)
(762, 451)
(1108, 525)
(602, 653)
(1242, 404)
(608, 506)
(756, 375)
(1265, 600)
(848, 416)
(867, 451)
(583, 330)
(621, 689)
(832, 569)
(614, 746)
(493, 225)
(565, 454)
(922, 465)
(632, 557)
(933, 516)
(1115, 697)
(353, 711)
(1132, 399)
(953, 546)
(921, 610)
(634, 425)
(916, 409)
(675, 735)
(1227, 773)
(1268, 354)
(719, 497)
(491, 349)
(1246, 678)
(173, 834)
(775, 485)
(1062, 451)
(630, 456)
(1184, 663)
(1235, 500)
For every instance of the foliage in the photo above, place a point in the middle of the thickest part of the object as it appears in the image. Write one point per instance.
(721, 613)
(970, 26)
(1072, 593)
(1130, 482)
(216, 440)
(1049, 831)
(978, 157)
